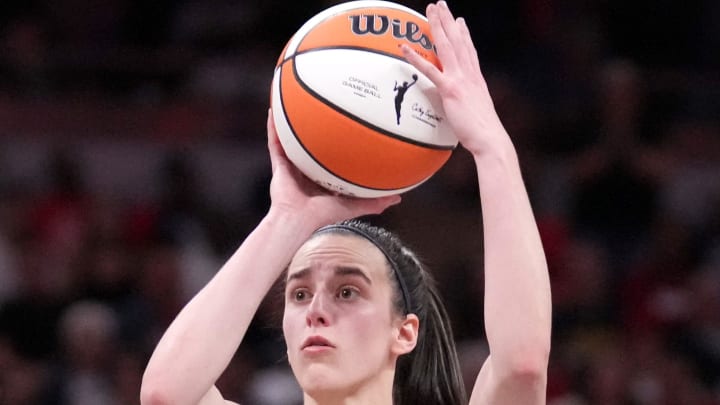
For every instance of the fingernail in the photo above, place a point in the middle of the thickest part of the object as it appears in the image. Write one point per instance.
(443, 3)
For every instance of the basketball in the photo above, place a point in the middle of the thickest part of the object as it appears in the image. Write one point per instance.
(351, 113)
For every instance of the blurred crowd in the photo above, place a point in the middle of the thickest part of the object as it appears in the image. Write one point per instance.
(132, 165)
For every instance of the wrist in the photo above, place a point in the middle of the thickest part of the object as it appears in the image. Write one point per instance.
(496, 162)
(291, 221)
(482, 138)
(497, 151)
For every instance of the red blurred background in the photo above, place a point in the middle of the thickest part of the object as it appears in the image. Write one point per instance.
(132, 163)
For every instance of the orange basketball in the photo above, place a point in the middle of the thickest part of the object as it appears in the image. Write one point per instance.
(351, 113)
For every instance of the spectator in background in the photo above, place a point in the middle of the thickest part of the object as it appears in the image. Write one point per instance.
(88, 336)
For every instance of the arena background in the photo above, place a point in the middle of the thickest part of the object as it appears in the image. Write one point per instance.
(132, 163)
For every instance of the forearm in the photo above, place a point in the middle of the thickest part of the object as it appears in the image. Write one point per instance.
(517, 287)
(200, 342)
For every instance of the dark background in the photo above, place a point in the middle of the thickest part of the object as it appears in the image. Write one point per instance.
(132, 164)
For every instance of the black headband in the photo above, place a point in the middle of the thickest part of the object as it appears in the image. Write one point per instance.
(393, 265)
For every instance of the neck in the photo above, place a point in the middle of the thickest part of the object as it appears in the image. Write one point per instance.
(376, 391)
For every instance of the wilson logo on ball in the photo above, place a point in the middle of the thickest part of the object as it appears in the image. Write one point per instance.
(364, 24)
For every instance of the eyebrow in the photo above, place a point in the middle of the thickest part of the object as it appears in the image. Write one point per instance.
(339, 271)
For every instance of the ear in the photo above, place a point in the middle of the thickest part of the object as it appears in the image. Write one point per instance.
(406, 334)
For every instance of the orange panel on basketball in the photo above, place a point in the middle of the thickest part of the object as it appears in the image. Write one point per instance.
(377, 29)
(347, 147)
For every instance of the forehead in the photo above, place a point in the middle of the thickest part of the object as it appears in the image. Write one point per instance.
(333, 249)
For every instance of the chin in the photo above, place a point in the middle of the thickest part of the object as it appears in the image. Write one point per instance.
(317, 380)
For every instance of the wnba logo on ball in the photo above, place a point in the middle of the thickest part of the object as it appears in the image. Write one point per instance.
(364, 24)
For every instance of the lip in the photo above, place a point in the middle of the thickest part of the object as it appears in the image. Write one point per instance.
(316, 344)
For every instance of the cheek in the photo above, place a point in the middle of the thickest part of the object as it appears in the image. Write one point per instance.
(290, 325)
(367, 327)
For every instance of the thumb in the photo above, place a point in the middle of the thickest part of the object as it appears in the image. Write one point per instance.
(277, 154)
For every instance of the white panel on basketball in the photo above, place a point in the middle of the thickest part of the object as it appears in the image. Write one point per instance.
(362, 83)
(297, 154)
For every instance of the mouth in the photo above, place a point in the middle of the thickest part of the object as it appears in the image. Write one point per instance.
(316, 343)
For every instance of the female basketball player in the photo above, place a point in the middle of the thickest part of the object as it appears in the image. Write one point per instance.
(362, 321)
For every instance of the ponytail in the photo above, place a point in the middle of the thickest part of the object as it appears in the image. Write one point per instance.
(430, 374)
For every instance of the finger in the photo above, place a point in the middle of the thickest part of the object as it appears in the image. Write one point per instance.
(274, 147)
(422, 64)
(468, 46)
(452, 31)
(442, 43)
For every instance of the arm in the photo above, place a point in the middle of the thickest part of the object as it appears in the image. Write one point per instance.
(202, 339)
(517, 287)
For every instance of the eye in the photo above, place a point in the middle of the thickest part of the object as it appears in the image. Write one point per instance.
(300, 295)
(347, 293)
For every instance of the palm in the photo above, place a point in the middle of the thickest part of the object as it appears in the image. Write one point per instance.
(291, 191)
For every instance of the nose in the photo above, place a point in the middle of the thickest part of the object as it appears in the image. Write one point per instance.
(318, 313)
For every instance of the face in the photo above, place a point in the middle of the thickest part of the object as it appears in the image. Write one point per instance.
(339, 324)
